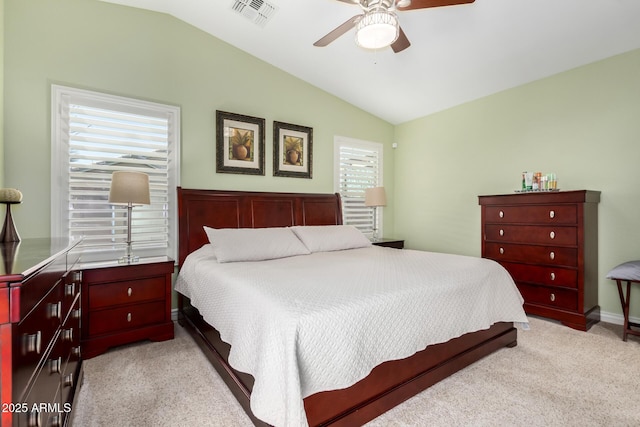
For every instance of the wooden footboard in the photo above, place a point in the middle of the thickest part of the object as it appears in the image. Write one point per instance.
(388, 385)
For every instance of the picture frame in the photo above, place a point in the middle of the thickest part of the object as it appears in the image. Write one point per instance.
(292, 150)
(240, 142)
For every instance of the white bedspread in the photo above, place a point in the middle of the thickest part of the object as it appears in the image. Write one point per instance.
(322, 321)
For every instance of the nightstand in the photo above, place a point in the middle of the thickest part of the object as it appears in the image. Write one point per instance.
(389, 243)
(124, 303)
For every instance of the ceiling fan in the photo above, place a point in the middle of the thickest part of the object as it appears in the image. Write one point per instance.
(378, 25)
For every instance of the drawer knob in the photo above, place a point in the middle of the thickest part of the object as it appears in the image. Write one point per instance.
(34, 419)
(552, 255)
(32, 343)
(501, 214)
(70, 290)
(552, 214)
(54, 365)
(76, 313)
(553, 276)
(55, 421)
(552, 297)
(501, 232)
(552, 235)
(67, 334)
(501, 251)
(129, 292)
(68, 380)
(128, 317)
(54, 310)
(75, 351)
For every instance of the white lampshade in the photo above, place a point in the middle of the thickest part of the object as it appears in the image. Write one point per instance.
(375, 196)
(129, 188)
(377, 29)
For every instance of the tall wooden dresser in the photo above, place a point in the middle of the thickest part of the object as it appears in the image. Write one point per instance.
(40, 332)
(548, 242)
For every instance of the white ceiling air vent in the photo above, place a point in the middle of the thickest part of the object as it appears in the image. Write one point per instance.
(258, 11)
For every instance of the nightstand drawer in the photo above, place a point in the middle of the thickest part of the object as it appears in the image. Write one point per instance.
(122, 318)
(110, 294)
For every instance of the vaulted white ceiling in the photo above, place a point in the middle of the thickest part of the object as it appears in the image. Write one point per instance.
(457, 53)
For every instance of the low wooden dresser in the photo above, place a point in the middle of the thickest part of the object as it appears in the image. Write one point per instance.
(39, 331)
(548, 242)
(125, 303)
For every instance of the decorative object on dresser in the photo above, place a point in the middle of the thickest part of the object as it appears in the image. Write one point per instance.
(374, 197)
(125, 303)
(9, 196)
(129, 188)
(548, 241)
(389, 243)
(40, 354)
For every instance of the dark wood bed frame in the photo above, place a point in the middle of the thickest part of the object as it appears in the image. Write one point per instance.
(389, 384)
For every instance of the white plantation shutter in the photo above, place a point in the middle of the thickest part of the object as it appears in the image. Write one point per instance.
(93, 136)
(358, 165)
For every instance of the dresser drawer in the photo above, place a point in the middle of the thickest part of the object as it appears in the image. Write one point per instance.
(553, 297)
(132, 291)
(532, 234)
(547, 255)
(33, 337)
(127, 317)
(525, 214)
(552, 276)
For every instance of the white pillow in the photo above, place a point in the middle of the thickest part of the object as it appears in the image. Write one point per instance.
(254, 244)
(324, 238)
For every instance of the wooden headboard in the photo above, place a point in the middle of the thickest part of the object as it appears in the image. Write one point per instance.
(246, 209)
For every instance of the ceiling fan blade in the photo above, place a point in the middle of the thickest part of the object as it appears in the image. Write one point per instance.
(401, 43)
(423, 4)
(349, 24)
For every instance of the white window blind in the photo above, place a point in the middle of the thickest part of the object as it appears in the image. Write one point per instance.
(96, 134)
(357, 165)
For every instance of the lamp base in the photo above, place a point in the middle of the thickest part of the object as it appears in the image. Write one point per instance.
(9, 232)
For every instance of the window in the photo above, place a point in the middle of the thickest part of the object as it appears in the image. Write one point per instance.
(357, 166)
(93, 135)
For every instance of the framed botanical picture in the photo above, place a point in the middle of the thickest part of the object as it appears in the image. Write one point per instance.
(292, 150)
(239, 144)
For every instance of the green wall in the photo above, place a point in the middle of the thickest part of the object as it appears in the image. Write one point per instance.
(2, 94)
(133, 52)
(583, 124)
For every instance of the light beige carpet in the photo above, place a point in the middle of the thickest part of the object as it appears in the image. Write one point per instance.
(554, 377)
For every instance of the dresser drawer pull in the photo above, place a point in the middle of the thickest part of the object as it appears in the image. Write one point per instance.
(55, 421)
(552, 297)
(552, 255)
(54, 310)
(552, 214)
(552, 235)
(76, 313)
(31, 343)
(128, 317)
(75, 351)
(553, 276)
(501, 232)
(77, 276)
(54, 365)
(70, 290)
(129, 292)
(68, 380)
(34, 419)
(67, 334)
(501, 251)
(501, 214)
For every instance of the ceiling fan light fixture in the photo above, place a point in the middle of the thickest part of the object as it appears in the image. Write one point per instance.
(378, 28)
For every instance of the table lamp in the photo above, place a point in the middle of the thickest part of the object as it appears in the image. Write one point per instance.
(9, 196)
(129, 188)
(374, 197)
